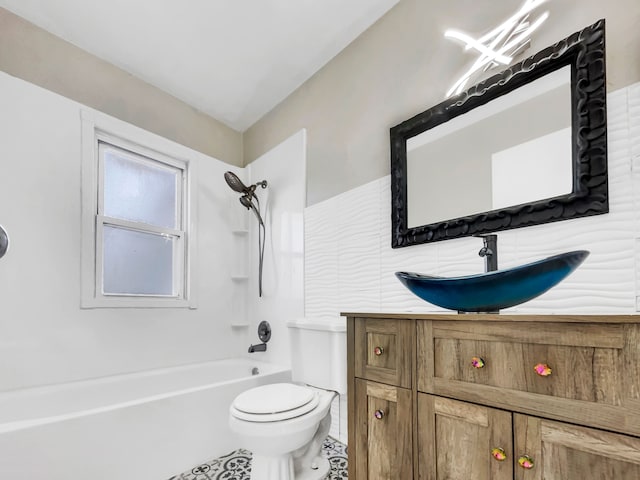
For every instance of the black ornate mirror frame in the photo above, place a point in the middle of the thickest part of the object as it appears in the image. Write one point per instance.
(584, 51)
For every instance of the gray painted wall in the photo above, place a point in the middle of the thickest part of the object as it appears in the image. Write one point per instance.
(34, 55)
(403, 65)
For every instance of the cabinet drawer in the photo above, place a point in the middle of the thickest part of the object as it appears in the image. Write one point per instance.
(384, 350)
(587, 368)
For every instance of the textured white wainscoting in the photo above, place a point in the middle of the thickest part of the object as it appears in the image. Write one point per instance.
(350, 265)
(321, 259)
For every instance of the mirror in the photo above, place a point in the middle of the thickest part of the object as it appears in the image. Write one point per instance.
(527, 146)
(515, 149)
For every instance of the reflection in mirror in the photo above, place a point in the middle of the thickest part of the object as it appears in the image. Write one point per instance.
(514, 150)
(524, 147)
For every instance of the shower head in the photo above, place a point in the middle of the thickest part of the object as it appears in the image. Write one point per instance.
(237, 186)
(248, 194)
(235, 183)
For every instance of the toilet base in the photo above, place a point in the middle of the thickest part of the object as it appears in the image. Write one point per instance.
(319, 473)
(281, 468)
(271, 467)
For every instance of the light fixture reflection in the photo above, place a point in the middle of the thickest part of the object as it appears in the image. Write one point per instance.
(501, 44)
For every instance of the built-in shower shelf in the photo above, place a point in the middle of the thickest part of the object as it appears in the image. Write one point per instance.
(240, 232)
(239, 325)
(239, 278)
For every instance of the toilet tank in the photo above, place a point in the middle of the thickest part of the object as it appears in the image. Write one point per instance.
(319, 352)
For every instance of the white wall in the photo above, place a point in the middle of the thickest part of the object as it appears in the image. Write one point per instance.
(350, 265)
(283, 272)
(44, 335)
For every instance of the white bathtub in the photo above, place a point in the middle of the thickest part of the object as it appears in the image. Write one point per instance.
(149, 425)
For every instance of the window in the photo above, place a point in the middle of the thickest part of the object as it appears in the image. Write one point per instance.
(136, 199)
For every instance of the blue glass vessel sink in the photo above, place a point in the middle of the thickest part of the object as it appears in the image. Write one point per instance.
(492, 291)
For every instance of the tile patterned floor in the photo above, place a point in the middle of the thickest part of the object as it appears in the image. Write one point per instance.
(237, 465)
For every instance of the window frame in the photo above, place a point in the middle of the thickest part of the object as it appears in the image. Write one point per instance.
(99, 128)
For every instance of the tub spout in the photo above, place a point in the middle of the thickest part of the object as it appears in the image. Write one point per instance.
(262, 347)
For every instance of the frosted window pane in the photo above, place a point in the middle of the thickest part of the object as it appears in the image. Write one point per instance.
(139, 190)
(137, 263)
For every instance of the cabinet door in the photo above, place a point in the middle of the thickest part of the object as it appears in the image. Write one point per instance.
(384, 446)
(384, 350)
(463, 441)
(559, 451)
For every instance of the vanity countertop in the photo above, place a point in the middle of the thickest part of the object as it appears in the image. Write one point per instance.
(500, 317)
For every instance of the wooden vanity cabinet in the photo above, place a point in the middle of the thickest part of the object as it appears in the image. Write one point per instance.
(494, 397)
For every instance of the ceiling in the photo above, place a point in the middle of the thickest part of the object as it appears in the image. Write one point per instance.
(232, 59)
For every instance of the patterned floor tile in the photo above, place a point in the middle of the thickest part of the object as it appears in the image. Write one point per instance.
(237, 465)
(336, 452)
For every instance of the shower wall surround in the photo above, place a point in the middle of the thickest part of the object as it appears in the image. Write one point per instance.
(350, 265)
(45, 337)
(282, 204)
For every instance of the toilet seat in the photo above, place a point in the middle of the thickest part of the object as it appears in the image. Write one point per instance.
(274, 402)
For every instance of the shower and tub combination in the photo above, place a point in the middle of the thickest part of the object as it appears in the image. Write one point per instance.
(148, 426)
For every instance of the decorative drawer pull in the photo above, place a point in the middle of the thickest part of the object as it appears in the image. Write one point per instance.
(526, 462)
(477, 362)
(499, 454)
(378, 351)
(543, 369)
(379, 414)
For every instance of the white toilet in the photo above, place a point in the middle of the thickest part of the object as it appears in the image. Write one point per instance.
(284, 424)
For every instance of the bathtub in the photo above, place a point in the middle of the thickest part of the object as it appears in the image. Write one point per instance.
(148, 425)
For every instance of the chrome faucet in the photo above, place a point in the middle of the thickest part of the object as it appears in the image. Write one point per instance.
(489, 252)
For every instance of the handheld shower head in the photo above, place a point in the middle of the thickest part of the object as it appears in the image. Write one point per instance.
(246, 202)
(235, 183)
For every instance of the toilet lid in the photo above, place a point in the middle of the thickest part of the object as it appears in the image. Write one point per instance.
(273, 398)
